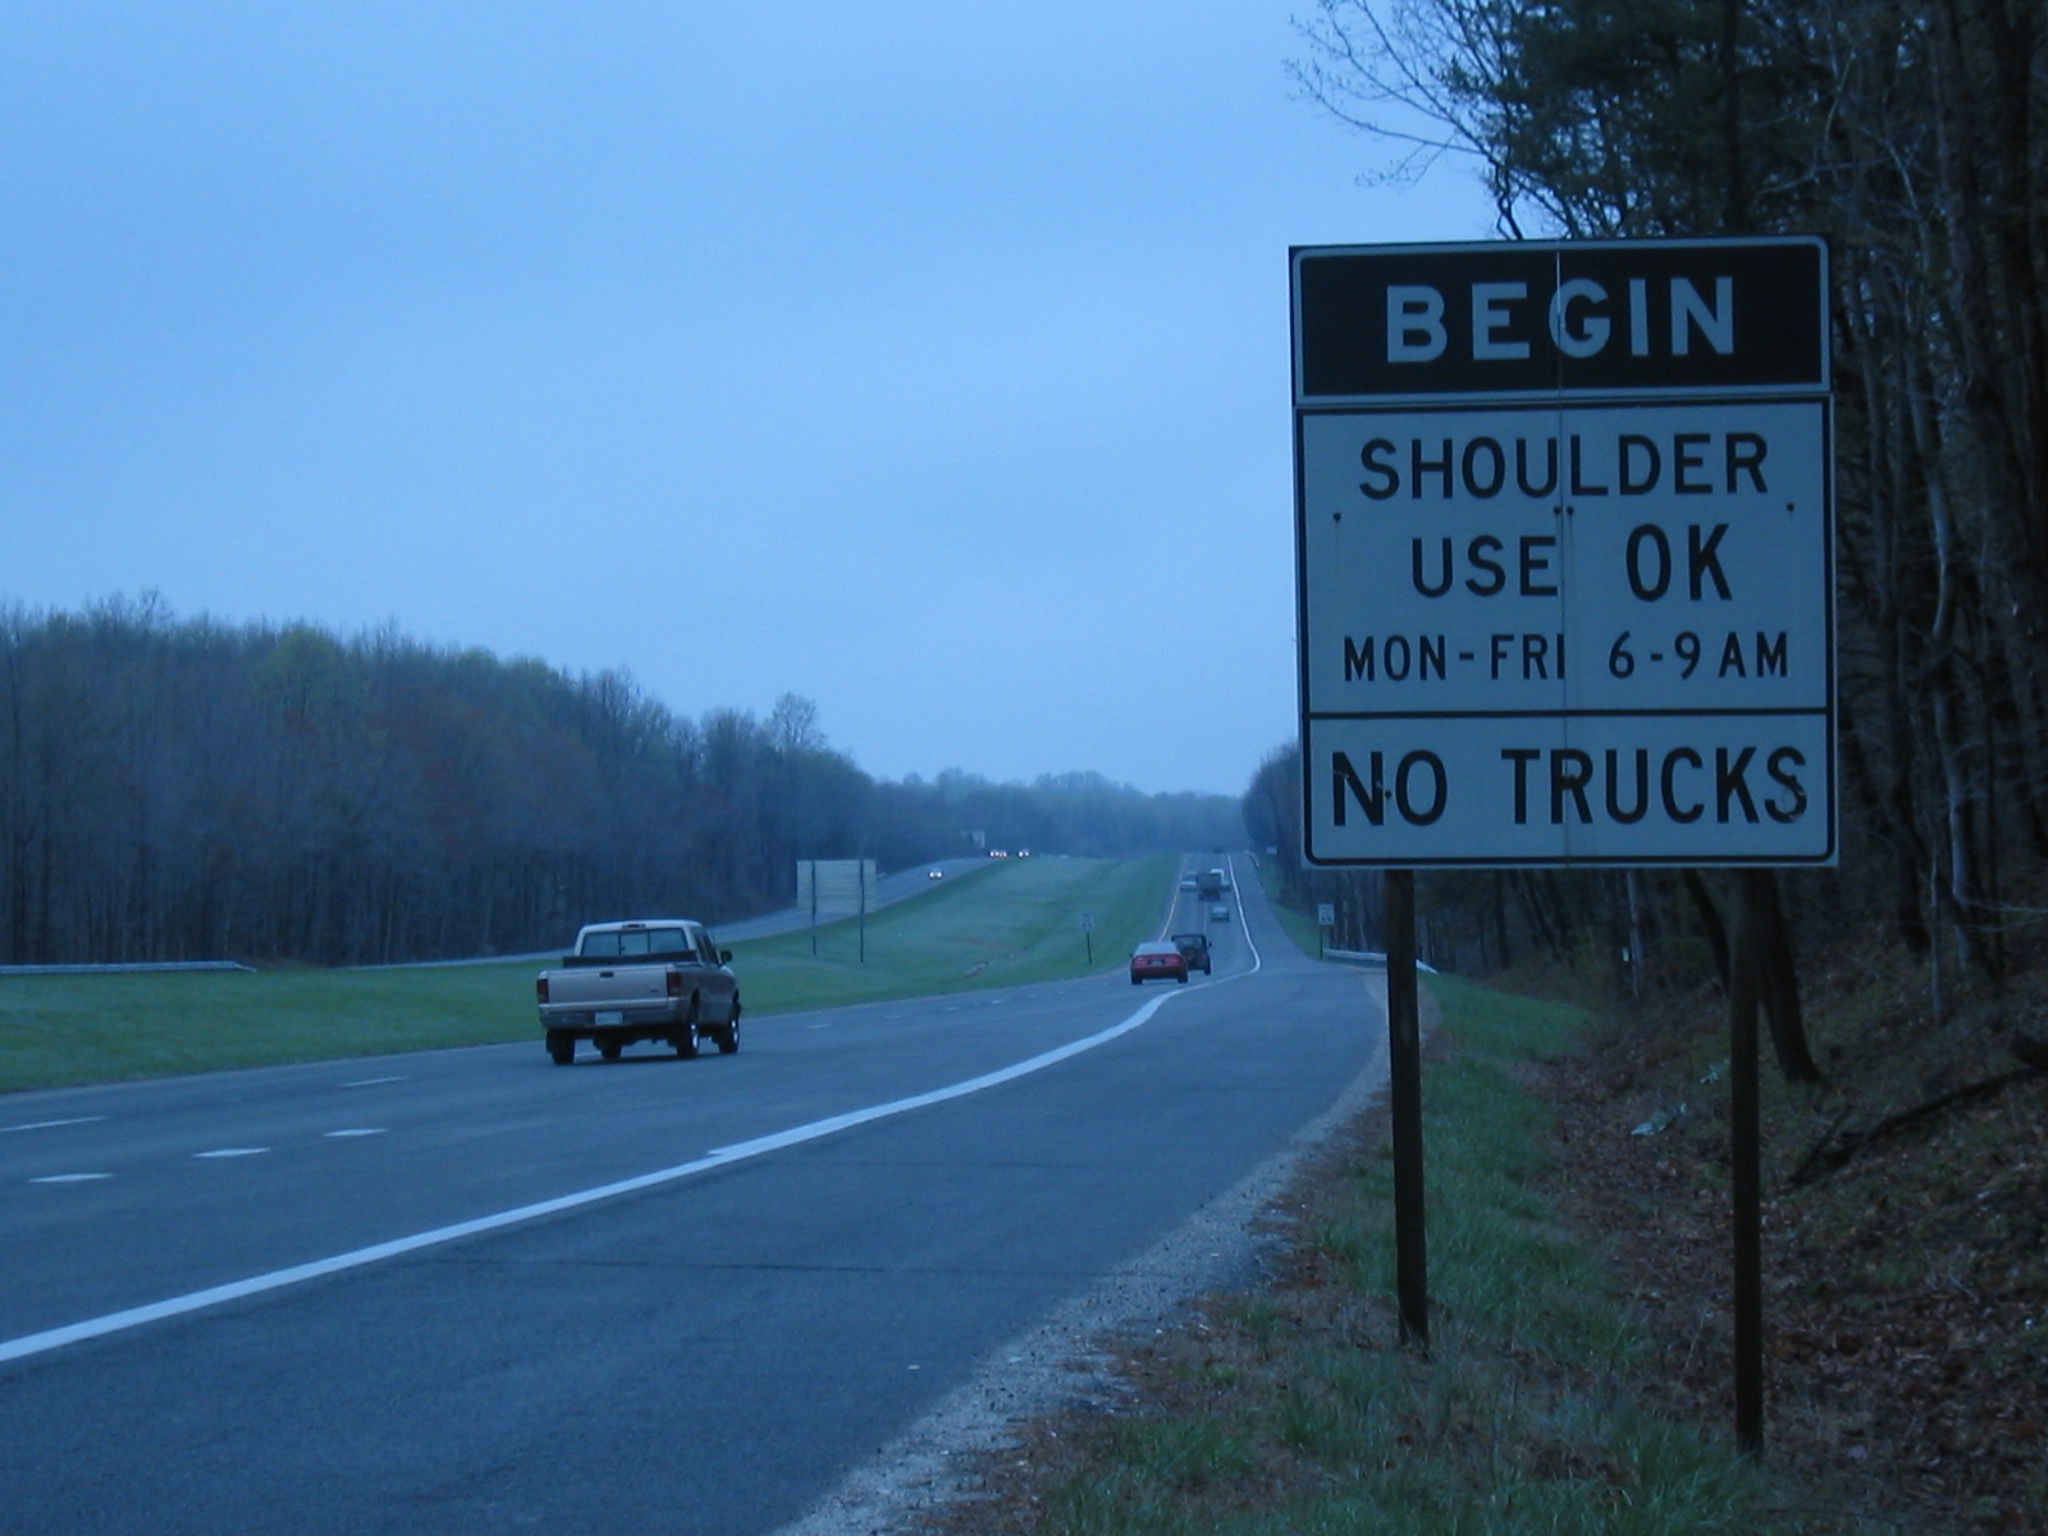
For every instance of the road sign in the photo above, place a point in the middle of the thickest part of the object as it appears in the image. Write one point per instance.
(1326, 914)
(835, 888)
(1087, 922)
(1564, 553)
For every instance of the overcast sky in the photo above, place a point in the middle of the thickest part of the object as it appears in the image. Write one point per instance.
(928, 360)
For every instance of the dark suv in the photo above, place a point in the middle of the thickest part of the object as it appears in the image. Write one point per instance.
(1195, 946)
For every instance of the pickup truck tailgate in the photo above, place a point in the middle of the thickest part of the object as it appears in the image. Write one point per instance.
(607, 986)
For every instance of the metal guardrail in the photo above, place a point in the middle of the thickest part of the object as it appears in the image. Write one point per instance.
(1371, 957)
(118, 967)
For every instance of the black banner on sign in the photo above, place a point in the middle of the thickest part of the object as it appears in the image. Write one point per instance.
(1571, 318)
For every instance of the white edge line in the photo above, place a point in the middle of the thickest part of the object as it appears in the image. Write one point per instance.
(196, 1301)
(1243, 927)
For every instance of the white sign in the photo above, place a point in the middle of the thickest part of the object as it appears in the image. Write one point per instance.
(1555, 625)
(834, 888)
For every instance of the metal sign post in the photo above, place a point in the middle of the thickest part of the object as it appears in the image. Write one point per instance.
(1564, 576)
(1404, 1101)
(1746, 1162)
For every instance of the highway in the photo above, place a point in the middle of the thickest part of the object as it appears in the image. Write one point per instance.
(469, 1291)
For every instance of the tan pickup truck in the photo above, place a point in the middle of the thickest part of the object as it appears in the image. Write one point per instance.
(661, 979)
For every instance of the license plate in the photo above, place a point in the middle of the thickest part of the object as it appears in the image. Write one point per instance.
(610, 1016)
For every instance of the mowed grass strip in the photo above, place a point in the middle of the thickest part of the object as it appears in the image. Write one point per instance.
(1297, 925)
(1017, 922)
(1294, 1409)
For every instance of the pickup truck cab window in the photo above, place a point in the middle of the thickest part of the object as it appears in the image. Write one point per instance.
(637, 943)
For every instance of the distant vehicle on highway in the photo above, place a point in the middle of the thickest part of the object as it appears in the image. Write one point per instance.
(1219, 913)
(1211, 883)
(658, 979)
(1160, 960)
(1194, 948)
(1187, 882)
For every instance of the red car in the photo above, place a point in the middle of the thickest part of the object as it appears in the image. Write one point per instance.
(1158, 961)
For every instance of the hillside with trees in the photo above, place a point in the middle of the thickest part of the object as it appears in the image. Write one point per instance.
(1914, 137)
(1904, 1187)
(183, 789)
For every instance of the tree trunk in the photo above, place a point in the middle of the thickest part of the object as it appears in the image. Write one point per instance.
(1710, 922)
(1779, 977)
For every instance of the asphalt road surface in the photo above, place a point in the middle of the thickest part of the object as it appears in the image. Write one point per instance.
(469, 1291)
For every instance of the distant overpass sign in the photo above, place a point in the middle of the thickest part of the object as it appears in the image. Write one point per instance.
(1565, 553)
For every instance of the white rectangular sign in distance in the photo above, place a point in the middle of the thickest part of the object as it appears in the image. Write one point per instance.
(1662, 557)
(833, 888)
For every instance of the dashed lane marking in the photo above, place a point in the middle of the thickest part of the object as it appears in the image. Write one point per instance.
(50, 1125)
(722, 1157)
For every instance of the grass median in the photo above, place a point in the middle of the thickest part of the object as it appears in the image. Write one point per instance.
(1292, 1410)
(1006, 926)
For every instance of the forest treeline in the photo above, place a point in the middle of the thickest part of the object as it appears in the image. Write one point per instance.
(1913, 135)
(184, 789)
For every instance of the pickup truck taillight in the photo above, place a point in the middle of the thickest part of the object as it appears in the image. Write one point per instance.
(675, 983)
(540, 988)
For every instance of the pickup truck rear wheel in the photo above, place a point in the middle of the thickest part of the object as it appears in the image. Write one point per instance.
(728, 1036)
(685, 1039)
(608, 1047)
(561, 1046)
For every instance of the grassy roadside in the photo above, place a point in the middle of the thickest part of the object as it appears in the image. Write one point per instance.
(1018, 923)
(1292, 1409)
(1011, 925)
(1296, 924)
